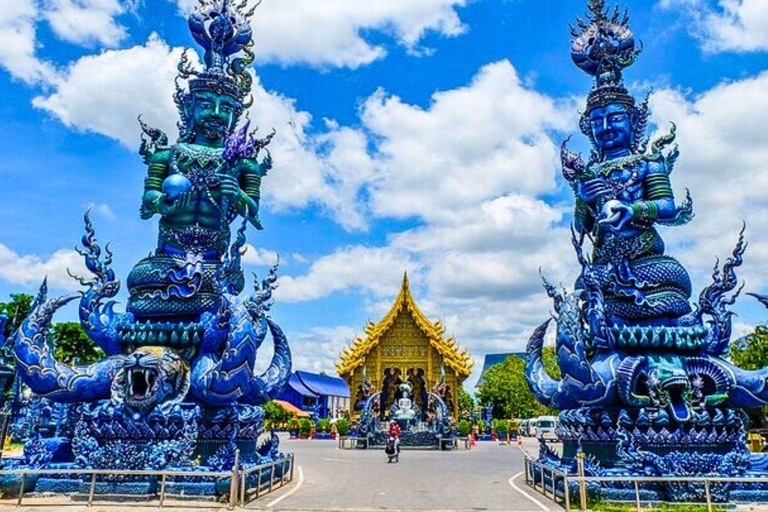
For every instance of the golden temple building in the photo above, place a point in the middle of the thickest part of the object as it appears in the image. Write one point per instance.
(405, 346)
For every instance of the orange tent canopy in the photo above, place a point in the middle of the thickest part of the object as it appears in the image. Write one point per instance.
(289, 407)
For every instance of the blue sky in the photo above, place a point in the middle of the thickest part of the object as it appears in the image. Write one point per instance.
(412, 134)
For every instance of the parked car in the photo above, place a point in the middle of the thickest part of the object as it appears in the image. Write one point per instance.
(546, 427)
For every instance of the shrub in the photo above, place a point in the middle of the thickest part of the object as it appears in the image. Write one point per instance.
(293, 424)
(305, 426)
(481, 426)
(342, 425)
(465, 427)
(324, 425)
(502, 426)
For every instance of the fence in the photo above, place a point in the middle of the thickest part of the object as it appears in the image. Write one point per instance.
(537, 473)
(245, 485)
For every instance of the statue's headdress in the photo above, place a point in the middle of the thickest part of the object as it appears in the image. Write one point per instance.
(603, 46)
(221, 28)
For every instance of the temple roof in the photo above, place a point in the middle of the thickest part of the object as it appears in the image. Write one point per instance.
(354, 355)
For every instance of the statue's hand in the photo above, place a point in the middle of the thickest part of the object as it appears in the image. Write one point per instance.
(229, 185)
(591, 190)
(615, 215)
(165, 207)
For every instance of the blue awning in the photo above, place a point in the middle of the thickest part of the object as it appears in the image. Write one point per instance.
(323, 384)
(295, 383)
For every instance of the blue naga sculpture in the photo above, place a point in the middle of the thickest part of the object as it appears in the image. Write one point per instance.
(646, 387)
(178, 387)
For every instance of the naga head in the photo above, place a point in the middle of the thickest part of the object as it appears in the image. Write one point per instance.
(151, 377)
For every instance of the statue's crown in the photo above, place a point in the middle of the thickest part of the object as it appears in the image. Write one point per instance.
(603, 46)
(221, 28)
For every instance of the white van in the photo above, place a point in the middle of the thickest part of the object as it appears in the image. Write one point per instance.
(545, 427)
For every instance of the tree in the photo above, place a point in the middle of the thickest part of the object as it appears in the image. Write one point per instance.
(505, 388)
(751, 353)
(276, 414)
(73, 345)
(17, 310)
(466, 403)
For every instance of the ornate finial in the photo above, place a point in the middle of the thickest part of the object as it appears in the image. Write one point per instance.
(603, 46)
(222, 29)
(406, 283)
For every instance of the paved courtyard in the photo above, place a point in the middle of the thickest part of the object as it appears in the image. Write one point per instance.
(333, 479)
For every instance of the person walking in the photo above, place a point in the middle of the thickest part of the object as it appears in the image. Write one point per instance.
(393, 444)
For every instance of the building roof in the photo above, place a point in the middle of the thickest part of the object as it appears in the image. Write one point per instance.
(354, 355)
(292, 409)
(323, 385)
(295, 383)
(492, 360)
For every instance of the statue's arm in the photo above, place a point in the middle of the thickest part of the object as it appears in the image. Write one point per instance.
(249, 198)
(658, 201)
(583, 220)
(156, 173)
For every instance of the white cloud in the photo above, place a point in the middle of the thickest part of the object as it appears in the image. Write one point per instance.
(374, 270)
(734, 25)
(29, 269)
(471, 145)
(318, 349)
(18, 43)
(102, 209)
(86, 22)
(331, 33)
(259, 257)
(105, 93)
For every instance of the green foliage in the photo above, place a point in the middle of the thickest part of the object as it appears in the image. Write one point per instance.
(549, 357)
(502, 426)
(466, 402)
(293, 424)
(610, 506)
(73, 345)
(504, 386)
(17, 310)
(305, 426)
(276, 414)
(752, 354)
(324, 425)
(482, 426)
(464, 428)
(342, 425)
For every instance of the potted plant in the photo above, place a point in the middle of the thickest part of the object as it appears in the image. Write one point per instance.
(305, 428)
(343, 426)
(502, 429)
(324, 428)
(293, 427)
(464, 428)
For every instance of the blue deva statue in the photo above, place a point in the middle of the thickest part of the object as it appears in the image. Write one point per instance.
(178, 388)
(646, 386)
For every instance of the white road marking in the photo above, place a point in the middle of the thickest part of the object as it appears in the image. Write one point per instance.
(539, 504)
(298, 485)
